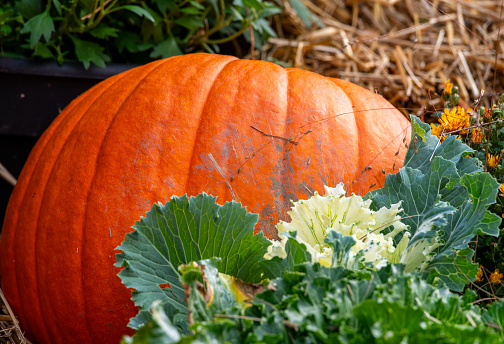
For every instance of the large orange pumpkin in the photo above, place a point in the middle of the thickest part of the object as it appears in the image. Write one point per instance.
(248, 130)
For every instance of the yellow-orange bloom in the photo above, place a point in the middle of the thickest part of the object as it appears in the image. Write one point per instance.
(438, 131)
(455, 119)
(492, 160)
(496, 277)
(448, 87)
(501, 189)
(479, 275)
(477, 135)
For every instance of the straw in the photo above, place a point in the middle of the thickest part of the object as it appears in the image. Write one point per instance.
(403, 50)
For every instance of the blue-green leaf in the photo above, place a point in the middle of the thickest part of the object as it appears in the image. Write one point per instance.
(495, 317)
(181, 231)
(473, 218)
(159, 331)
(342, 246)
(418, 191)
(424, 149)
(296, 254)
(302, 11)
(445, 199)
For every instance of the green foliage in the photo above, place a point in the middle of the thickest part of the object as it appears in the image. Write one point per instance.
(134, 31)
(490, 250)
(445, 198)
(485, 137)
(441, 180)
(315, 304)
(181, 231)
(297, 254)
(304, 13)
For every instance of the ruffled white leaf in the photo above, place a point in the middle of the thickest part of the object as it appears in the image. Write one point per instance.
(314, 218)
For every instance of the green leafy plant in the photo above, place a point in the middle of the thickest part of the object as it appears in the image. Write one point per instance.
(482, 130)
(134, 31)
(444, 197)
(317, 304)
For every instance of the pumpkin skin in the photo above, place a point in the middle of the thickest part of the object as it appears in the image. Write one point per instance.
(152, 132)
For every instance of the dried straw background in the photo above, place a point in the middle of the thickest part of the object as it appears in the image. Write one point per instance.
(404, 50)
(10, 332)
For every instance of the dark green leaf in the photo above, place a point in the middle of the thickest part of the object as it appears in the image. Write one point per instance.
(104, 31)
(88, 6)
(236, 14)
(197, 5)
(270, 10)
(5, 29)
(167, 48)
(215, 5)
(384, 318)
(139, 11)
(90, 52)
(314, 304)
(418, 191)
(263, 26)
(253, 4)
(165, 5)
(57, 5)
(128, 40)
(43, 51)
(189, 22)
(29, 8)
(38, 26)
(191, 10)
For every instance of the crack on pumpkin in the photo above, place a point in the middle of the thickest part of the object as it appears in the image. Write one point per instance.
(288, 141)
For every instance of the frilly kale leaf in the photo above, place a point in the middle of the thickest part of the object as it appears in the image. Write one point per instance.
(181, 231)
(445, 197)
(312, 303)
(445, 200)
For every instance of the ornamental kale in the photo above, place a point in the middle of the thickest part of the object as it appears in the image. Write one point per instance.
(348, 269)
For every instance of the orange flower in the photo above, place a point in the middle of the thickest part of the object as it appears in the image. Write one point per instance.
(477, 135)
(448, 87)
(501, 189)
(492, 160)
(496, 277)
(438, 131)
(479, 275)
(455, 119)
(487, 115)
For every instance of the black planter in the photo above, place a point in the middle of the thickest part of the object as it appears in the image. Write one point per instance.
(32, 94)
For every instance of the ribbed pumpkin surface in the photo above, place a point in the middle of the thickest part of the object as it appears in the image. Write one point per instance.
(166, 129)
